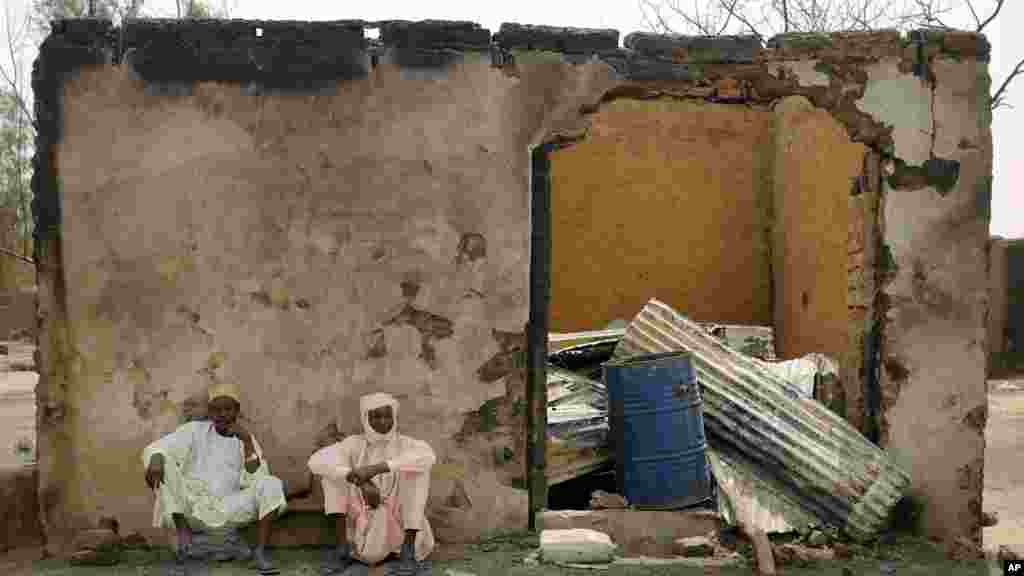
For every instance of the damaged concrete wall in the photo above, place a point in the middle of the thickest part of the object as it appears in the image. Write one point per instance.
(311, 246)
(663, 199)
(935, 214)
(364, 225)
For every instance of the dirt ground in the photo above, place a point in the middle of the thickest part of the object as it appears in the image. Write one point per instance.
(505, 556)
(17, 404)
(1004, 495)
(1004, 464)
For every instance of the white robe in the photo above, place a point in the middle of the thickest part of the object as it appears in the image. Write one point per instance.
(206, 481)
(374, 534)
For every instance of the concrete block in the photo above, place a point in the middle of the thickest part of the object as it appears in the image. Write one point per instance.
(788, 554)
(637, 532)
(640, 68)
(697, 546)
(434, 34)
(576, 546)
(695, 48)
(556, 39)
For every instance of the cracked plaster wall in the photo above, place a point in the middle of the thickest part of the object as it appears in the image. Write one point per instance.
(312, 249)
(933, 392)
(319, 245)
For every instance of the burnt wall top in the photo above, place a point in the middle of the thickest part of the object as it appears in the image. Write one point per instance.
(284, 55)
(555, 39)
(435, 35)
(219, 38)
(309, 56)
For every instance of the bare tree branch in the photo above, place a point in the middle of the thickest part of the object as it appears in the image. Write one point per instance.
(974, 13)
(730, 11)
(694, 20)
(741, 18)
(995, 12)
(999, 96)
(10, 77)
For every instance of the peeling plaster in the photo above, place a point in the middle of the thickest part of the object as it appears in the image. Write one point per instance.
(904, 102)
(806, 72)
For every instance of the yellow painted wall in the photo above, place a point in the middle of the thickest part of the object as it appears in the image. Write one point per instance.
(663, 199)
(814, 169)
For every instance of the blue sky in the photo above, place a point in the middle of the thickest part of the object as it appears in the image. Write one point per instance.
(626, 17)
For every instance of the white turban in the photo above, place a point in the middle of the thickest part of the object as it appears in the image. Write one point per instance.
(372, 402)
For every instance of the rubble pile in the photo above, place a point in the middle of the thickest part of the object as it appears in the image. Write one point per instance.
(782, 460)
(800, 451)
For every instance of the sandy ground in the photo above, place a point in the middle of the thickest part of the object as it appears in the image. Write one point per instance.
(1004, 464)
(17, 403)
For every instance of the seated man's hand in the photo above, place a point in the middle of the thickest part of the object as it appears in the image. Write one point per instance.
(155, 473)
(300, 493)
(360, 476)
(239, 431)
(371, 494)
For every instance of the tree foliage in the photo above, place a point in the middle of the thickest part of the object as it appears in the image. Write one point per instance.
(16, 165)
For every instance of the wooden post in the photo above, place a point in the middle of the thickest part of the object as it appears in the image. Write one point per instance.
(537, 332)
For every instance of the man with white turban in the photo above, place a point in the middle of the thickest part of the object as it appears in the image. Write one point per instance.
(375, 485)
(210, 475)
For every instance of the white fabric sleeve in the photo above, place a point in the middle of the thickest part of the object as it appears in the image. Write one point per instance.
(335, 461)
(175, 446)
(416, 456)
(249, 479)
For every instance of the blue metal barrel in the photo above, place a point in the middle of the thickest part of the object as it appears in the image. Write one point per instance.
(657, 431)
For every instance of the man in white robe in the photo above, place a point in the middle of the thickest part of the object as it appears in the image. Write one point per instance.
(211, 475)
(376, 485)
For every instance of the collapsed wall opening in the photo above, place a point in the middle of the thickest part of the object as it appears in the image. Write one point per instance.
(731, 213)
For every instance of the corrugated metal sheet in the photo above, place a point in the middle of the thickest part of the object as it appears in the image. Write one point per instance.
(577, 425)
(742, 492)
(794, 445)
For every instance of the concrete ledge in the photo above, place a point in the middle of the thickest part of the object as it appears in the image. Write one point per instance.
(435, 34)
(284, 55)
(695, 48)
(954, 42)
(636, 532)
(298, 528)
(19, 508)
(84, 30)
(640, 68)
(810, 45)
(554, 39)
